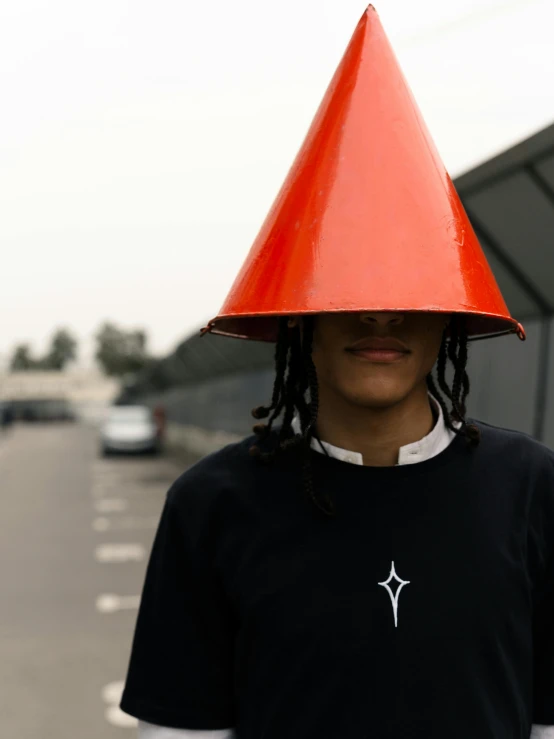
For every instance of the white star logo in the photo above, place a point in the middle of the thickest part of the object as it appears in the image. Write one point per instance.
(394, 596)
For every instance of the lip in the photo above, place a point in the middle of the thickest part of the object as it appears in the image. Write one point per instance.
(377, 344)
(380, 355)
(375, 349)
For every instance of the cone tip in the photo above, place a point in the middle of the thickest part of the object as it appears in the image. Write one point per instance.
(369, 16)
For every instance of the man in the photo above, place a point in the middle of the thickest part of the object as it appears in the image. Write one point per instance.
(379, 565)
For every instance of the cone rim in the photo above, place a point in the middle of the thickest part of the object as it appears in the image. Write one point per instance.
(511, 324)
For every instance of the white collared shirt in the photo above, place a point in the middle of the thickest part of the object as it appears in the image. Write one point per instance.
(429, 446)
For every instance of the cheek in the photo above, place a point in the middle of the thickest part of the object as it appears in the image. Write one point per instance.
(328, 348)
(428, 350)
(328, 364)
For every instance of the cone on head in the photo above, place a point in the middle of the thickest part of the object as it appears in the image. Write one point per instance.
(368, 218)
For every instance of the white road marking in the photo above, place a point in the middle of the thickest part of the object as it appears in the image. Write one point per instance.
(101, 489)
(113, 714)
(101, 524)
(130, 523)
(110, 603)
(105, 473)
(111, 505)
(112, 484)
(125, 523)
(119, 553)
(112, 692)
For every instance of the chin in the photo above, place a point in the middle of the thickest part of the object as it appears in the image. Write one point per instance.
(378, 397)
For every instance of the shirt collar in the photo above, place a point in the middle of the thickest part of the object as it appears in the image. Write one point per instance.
(429, 446)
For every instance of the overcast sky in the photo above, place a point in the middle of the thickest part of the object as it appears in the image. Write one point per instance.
(142, 143)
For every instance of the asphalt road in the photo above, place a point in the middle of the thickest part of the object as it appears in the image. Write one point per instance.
(76, 532)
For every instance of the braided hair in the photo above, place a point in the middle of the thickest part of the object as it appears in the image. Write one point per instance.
(296, 375)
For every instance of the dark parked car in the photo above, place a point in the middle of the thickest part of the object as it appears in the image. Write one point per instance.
(43, 409)
(6, 414)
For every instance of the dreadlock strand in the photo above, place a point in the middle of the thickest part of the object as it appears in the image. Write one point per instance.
(462, 374)
(472, 432)
(462, 358)
(441, 367)
(453, 347)
(458, 354)
(457, 351)
(325, 504)
(311, 376)
(280, 358)
(440, 400)
(290, 389)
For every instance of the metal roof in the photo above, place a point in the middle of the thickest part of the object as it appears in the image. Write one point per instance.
(197, 359)
(206, 356)
(510, 202)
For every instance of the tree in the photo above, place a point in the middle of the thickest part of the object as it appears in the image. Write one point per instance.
(63, 349)
(21, 359)
(121, 353)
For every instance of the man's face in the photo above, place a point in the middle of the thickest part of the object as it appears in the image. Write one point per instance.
(352, 358)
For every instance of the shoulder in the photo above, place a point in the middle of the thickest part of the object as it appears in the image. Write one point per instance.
(214, 471)
(520, 446)
(515, 458)
(217, 480)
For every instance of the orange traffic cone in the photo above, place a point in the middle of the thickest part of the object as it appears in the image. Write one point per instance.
(368, 218)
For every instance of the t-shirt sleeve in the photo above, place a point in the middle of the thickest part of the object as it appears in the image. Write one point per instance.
(542, 527)
(181, 666)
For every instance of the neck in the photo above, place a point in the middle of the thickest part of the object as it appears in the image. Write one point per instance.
(376, 433)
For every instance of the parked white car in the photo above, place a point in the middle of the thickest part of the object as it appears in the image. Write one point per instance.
(129, 428)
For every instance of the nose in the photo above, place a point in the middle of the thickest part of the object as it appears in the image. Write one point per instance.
(382, 319)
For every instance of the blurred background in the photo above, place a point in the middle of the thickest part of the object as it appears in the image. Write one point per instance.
(141, 145)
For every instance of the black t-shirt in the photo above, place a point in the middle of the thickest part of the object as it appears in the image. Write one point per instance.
(261, 613)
